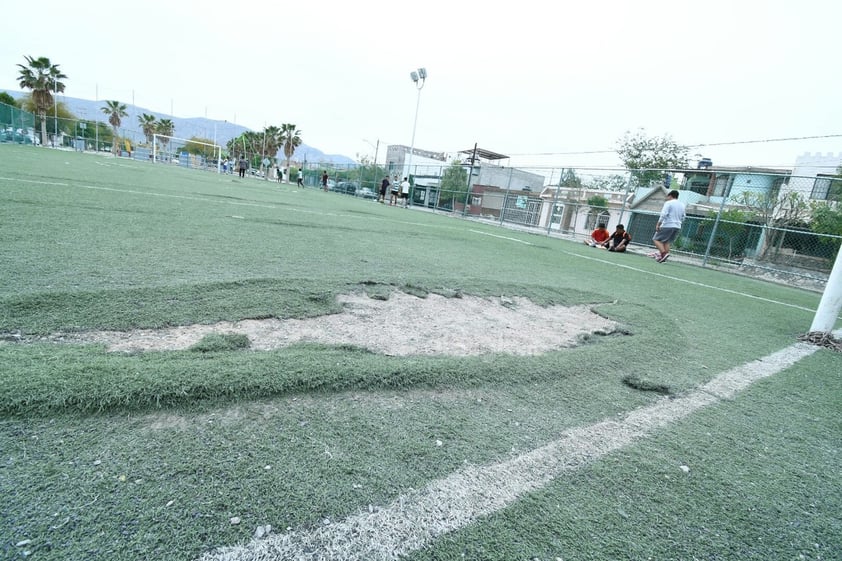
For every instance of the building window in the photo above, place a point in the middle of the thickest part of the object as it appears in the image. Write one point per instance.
(699, 185)
(827, 189)
(722, 187)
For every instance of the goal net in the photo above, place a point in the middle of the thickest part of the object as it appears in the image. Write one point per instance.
(186, 152)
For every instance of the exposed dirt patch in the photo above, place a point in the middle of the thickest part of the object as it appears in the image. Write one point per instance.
(403, 325)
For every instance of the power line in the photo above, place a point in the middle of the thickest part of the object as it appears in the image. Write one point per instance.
(789, 139)
(702, 145)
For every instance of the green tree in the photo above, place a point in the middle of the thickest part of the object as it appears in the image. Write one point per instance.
(454, 184)
(58, 115)
(115, 111)
(611, 183)
(43, 78)
(290, 140)
(199, 146)
(598, 204)
(650, 158)
(148, 124)
(248, 145)
(773, 210)
(568, 178)
(8, 99)
(827, 219)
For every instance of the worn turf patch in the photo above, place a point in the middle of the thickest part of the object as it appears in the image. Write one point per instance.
(643, 385)
(216, 342)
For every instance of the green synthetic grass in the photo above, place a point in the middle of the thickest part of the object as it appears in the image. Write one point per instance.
(762, 483)
(148, 455)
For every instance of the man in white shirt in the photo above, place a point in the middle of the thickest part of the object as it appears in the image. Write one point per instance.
(668, 226)
(405, 192)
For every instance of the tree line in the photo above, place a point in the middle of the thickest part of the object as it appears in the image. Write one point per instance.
(45, 80)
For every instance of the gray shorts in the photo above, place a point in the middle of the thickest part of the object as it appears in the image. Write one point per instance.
(666, 235)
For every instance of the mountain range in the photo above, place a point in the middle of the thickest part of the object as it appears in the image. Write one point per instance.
(201, 127)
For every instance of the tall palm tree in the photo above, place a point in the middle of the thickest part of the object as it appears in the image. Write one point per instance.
(290, 139)
(42, 77)
(272, 144)
(115, 111)
(148, 124)
(165, 127)
(248, 145)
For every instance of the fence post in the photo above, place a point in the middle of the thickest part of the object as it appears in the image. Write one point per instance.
(554, 203)
(506, 196)
(713, 232)
(625, 198)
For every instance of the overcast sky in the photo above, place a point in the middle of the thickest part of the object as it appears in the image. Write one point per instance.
(544, 82)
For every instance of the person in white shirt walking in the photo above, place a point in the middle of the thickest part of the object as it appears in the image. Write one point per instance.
(668, 226)
(405, 192)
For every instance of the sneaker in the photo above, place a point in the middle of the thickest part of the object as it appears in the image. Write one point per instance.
(663, 257)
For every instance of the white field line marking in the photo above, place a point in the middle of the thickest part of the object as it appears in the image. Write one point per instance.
(501, 237)
(144, 193)
(694, 283)
(183, 197)
(414, 520)
(34, 181)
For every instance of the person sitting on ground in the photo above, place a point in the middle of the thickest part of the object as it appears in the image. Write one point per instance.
(619, 240)
(598, 237)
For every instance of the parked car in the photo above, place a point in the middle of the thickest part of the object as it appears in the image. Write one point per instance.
(347, 187)
(366, 193)
(21, 136)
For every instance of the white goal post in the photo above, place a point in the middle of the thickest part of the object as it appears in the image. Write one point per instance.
(168, 149)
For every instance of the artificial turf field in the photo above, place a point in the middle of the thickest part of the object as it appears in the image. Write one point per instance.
(151, 455)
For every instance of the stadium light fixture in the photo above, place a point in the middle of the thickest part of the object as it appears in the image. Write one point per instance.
(418, 77)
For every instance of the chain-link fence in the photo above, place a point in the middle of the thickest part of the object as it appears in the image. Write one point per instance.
(783, 225)
(17, 126)
(23, 127)
(770, 224)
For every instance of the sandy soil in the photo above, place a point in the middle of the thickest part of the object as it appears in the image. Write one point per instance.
(403, 325)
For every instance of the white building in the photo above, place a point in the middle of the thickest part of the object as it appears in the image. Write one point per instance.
(814, 174)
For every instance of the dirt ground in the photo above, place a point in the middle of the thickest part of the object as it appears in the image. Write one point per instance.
(403, 325)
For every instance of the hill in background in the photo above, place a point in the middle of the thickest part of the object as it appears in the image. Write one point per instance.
(222, 131)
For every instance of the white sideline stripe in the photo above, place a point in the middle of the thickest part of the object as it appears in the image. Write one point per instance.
(18, 180)
(501, 237)
(694, 283)
(414, 520)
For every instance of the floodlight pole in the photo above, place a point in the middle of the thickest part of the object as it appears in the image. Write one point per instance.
(419, 77)
(55, 110)
(219, 156)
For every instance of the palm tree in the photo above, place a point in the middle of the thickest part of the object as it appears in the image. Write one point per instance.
(115, 111)
(290, 140)
(248, 145)
(272, 144)
(148, 124)
(165, 127)
(42, 78)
